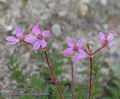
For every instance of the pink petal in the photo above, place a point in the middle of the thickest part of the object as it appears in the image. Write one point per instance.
(43, 43)
(76, 58)
(82, 54)
(45, 33)
(109, 45)
(30, 38)
(68, 52)
(70, 43)
(79, 43)
(36, 45)
(19, 31)
(110, 37)
(11, 38)
(13, 42)
(101, 37)
(36, 29)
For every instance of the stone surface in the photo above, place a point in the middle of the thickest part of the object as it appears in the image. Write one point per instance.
(56, 30)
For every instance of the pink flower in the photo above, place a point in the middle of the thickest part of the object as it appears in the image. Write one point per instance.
(105, 40)
(74, 50)
(17, 38)
(37, 37)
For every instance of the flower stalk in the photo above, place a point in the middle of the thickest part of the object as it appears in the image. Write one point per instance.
(53, 75)
(90, 81)
(72, 80)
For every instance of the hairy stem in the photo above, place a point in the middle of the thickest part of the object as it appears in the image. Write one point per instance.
(99, 49)
(72, 82)
(53, 75)
(90, 81)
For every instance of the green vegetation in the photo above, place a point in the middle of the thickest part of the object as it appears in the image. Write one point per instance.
(40, 85)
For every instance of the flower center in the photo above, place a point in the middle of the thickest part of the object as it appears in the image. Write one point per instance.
(76, 49)
(20, 38)
(106, 43)
(40, 37)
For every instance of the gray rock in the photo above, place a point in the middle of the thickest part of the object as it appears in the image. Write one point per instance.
(56, 30)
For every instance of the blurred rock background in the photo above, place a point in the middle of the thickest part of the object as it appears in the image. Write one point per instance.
(65, 19)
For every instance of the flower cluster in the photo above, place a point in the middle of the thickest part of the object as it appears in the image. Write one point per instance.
(75, 50)
(36, 38)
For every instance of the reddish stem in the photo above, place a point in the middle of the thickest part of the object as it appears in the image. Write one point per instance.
(99, 49)
(72, 82)
(90, 83)
(53, 75)
(90, 53)
(90, 59)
